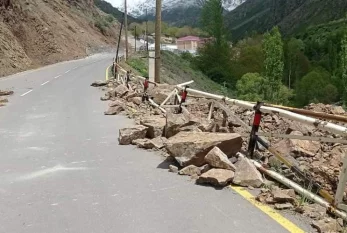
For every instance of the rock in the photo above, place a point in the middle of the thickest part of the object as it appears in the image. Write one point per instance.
(127, 135)
(297, 148)
(216, 177)
(158, 142)
(131, 95)
(173, 123)
(4, 100)
(160, 92)
(173, 169)
(155, 124)
(283, 206)
(143, 143)
(247, 174)
(205, 168)
(337, 110)
(116, 103)
(223, 130)
(136, 100)
(121, 90)
(192, 147)
(327, 225)
(314, 211)
(98, 83)
(114, 110)
(105, 98)
(190, 171)
(281, 196)
(217, 159)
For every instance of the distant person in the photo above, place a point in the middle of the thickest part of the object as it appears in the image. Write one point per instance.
(115, 70)
(127, 78)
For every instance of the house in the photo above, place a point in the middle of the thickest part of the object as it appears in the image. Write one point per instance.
(189, 43)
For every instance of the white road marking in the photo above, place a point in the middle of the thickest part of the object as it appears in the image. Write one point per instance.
(54, 204)
(48, 171)
(67, 71)
(57, 76)
(26, 93)
(45, 83)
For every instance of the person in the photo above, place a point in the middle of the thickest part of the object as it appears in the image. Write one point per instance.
(145, 88)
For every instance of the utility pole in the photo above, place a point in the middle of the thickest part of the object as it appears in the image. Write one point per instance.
(135, 38)
(126, 29)
(157, 41)
(147, 31)
(119, 37)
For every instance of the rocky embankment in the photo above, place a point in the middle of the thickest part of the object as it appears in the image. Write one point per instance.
(207, 150)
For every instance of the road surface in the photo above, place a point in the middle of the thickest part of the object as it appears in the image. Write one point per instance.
(62, 170)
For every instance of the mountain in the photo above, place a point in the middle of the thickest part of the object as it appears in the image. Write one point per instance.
(109, 9)
(292, 16)
(40, 32)
(176, 12)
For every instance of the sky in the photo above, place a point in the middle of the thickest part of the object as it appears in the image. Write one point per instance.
(117, 3)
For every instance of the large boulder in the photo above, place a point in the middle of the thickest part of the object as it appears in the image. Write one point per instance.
(296, 147)
(217, 159)
(158, 142)
(192, 147)
(143, 143)
(127, 135)
(327, 225)
(216, 177)
(160, 92)
(247, 174)
(121, 91)
(155, 124)
(114, 110)
(176, 123)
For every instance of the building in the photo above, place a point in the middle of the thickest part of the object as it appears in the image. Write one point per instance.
(189, 43)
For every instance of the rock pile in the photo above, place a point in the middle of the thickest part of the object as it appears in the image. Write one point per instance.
(206, 149)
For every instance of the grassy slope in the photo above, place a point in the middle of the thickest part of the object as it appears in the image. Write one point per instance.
(176, 70)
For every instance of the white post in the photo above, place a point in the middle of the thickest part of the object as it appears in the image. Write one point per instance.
(342, 183)
(151, 65)
(211, 111)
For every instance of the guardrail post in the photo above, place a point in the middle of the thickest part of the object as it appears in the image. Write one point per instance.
(255, 128)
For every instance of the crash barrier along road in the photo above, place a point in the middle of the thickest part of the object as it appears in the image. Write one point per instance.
(333, 204)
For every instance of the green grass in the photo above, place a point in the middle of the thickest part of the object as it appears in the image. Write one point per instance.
(177, 70)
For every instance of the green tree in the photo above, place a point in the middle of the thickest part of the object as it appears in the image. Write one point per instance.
(215, 57)
(249, 87)
(273, 63)
(315, 87)
(343, 58)
(292, 52)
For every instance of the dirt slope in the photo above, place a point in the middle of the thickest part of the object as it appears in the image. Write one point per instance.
(41, 32)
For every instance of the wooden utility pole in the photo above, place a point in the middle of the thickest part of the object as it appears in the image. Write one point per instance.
(147, 31)
(126, 29)
(135, 38)
(157, 41)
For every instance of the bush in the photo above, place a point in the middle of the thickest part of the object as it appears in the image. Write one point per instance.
(102, 25)
(138, 65)
(249, 87)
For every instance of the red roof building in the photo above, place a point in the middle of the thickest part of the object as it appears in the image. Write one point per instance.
(190, 43)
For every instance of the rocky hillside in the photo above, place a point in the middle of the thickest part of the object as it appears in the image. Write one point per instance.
(41, 32)
(291, 15)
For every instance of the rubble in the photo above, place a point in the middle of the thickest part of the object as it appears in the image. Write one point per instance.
(155, 124)
(99, 83)
(173, 169)
(128, 135)
(121, 90)
(192, 147)
(216, 177)
(327, 225)
(247, 174)
(143, 143)
(158, 142)
(217, 159)
(283, 206)
(190, 171)
(114, 110)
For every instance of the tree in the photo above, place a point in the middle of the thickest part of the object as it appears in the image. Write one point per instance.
(343, 58)
(273, 63)
(215, 57)
(292, 51)
(249, 87)
(315, 87)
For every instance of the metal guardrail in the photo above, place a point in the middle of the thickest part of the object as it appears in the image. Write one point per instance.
(335, 205)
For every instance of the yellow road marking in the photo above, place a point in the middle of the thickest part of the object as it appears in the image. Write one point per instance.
(107, 72)
(288, 225)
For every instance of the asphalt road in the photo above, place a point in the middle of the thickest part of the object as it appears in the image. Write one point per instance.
(62, 170)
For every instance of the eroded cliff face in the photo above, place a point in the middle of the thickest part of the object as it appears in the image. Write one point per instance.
(41, 32)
